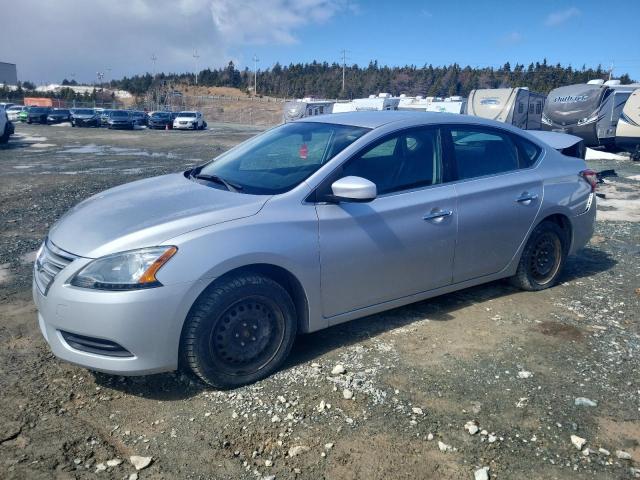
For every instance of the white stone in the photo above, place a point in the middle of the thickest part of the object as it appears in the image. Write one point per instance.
(525, 374)
(622, 455)
(114, 462)
(268, 463)
(578, 442)
(347, 394)
(297, 450)
(430, 436)
(604, 451)
(492, 438)
(275, 419)
(585, 402)
(444, 447)
(101, 467)
(417, 411)
(338, 370)
(481, 474)
(140, 462)
(133, 476)
(472, 427)
(328, 446)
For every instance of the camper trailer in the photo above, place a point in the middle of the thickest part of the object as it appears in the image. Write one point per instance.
(589, 110)
(306, 107)
(453, 104)
(628, 129)
(517, 106)
(382, 101)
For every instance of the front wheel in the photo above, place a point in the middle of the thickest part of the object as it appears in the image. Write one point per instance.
(542, 258)
(239, 331)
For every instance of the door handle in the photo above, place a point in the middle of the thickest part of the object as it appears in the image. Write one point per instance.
(526, 198)
(437, 214)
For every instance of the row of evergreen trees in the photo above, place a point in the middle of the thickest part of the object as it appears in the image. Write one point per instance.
(325, 80)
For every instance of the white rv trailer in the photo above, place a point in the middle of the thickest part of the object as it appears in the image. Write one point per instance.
(517, 106)
(382, 101)
(453, 104)
(628, 129)
(589, 110)
(306, 107)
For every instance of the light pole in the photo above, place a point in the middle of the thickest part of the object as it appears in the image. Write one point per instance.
(255, 75)
(196, 57)
(153, 61)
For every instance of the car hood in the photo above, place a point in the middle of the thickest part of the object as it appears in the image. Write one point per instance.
(185, 118)
(146, 213)
(84, 116)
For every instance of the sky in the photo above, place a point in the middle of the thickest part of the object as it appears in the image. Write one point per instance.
(75, 39)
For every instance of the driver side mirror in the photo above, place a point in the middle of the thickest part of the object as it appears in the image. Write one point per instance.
(354, 189)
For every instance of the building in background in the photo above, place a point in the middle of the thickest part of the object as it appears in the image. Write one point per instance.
(8, 74)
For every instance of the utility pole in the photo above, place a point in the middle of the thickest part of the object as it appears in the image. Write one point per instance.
(344, 66)
(255, 75)
(196, 56)
(611, 71)
(153, 61)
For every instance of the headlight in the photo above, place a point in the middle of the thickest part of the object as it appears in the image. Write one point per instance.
(130, 270)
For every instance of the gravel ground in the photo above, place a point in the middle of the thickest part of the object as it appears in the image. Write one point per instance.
(486, 377)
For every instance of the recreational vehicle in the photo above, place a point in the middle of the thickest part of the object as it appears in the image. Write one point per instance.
(306, 107)
(590, 111)
(453, 104)
(382, 101)
(628, 129)
(517, 106)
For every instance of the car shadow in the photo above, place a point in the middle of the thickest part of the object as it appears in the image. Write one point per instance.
(179, 386)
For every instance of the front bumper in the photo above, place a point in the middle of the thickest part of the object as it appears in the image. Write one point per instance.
(146, 323)
(185, 126)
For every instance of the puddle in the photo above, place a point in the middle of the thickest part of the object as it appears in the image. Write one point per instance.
(621, 202)
(42, 145)
(117, 151)
(23, 167)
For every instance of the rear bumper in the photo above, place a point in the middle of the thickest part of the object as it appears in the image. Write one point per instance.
(582, 227)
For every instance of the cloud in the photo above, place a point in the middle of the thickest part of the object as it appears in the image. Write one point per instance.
(512, 38)
(559, 17)
(74, 36)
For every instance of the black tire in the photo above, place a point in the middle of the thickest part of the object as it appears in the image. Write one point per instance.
(543, 258)
(239, 331)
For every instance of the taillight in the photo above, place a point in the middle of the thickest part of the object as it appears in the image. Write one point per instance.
(591, 177)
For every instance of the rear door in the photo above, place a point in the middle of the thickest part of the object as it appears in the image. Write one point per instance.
(499, 196)
(402, 242)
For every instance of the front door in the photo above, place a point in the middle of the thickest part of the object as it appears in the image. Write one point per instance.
(402, 242)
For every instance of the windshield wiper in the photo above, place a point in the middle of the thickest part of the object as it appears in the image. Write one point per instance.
(232, 187)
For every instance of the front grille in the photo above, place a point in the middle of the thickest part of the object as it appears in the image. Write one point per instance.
(49, 263)
(95, 345)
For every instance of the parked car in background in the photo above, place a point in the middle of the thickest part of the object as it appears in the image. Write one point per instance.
(23, 114)
(38, 114)
(14, 111)
(85, 117)
(161, 120)
(58, 115)
(104, 116)
(6, 127)
(310, 224)
(139, 118)
(120, 119)
(189, 121)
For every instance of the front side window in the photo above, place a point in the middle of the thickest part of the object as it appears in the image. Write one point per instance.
(406, 160)
(281, 158)
(480, 152)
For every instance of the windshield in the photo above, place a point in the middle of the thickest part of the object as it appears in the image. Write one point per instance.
(38, 110)
(119, 113)
(161, 115)
(186, 114)
(61, 112)
(281, 158)
(84, 111)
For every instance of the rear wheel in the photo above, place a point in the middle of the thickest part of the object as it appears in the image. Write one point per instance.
(239, 331)
(542, 258)
(4, 138)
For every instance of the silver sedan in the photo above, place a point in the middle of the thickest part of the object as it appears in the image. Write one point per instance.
(310, 224)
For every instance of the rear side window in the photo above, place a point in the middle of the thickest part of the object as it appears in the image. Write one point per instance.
(528, 152)
(480, 152)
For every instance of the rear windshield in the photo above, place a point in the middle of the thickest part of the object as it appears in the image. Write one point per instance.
(161, 115)
(63, 112)
(187, 114)
(38, 110)
(119, 113)
(84, 111)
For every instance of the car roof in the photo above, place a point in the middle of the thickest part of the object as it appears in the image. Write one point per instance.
(376, 119)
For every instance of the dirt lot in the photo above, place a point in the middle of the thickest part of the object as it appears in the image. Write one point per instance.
(515, 364)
